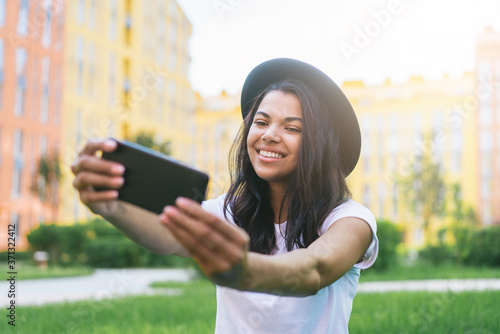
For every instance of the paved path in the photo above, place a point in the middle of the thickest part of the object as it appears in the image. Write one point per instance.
(106, 283)
(455, 285)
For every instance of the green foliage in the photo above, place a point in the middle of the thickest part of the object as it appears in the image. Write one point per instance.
(423, 187)
(147, 139)
(45, 238)
(49, 170)
(437, 254)
(98, 244)
(113, 253)
(474, 247)
(482, 247)
(390, 236)
(19, 255)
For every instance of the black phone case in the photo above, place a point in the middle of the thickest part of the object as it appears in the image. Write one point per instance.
(152, 180)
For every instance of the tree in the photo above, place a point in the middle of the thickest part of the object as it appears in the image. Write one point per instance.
(423, 187)
(47, 177)
(147, 139)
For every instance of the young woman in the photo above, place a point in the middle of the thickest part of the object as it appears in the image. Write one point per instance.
(286, 228)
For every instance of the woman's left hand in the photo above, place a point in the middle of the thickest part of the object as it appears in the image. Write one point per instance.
(219, 247)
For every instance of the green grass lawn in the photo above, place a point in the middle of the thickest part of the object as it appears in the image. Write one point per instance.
(423, 312)
(30, 271)
(193, 311)
(422, 270)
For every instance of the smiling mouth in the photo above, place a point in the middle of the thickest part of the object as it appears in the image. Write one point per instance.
(268, 154)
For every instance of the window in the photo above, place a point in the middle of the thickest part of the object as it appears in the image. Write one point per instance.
(112, 78)
(60, 25)
(366, 195)
(486, 141)
(393, 137)
(456, 150)
(394, 201)
(47, 25)
(79, 60)
(485, 115)
(172, 42)
(160, 45)
(381, 198)
(18, 163)
(1, 70)
(80, 12)
(43, 145)
(2, 12)
(381, 131)
(20, 97)
(92, 14)
(172, 60)
(487, 214)
(0, 146)
(172, 95)
(113, 20)
(34, 82)
(484, 71)
(22, 20)
(79, 127)
(58, 95)
(44, 100)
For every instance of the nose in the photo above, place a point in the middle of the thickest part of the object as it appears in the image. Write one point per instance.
(271, 135)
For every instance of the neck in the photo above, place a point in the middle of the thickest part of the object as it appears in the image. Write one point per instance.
(276, 195)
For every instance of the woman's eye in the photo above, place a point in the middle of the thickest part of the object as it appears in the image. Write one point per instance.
(260, 123)
(294, 129)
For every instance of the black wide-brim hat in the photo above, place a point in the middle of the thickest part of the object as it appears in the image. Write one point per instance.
(346, 123)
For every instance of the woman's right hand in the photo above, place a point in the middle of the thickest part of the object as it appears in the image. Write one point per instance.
(91, 171)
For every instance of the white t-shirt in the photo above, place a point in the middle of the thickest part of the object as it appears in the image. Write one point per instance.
(326, 312)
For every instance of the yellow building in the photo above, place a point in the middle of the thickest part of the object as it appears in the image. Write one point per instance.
(394, 119)
(125, 72)
(218, 120)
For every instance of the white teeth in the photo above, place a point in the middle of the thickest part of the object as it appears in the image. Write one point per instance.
(270, 154)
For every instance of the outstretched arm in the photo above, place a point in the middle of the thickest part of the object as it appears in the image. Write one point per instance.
(139, 225)
(221, 250)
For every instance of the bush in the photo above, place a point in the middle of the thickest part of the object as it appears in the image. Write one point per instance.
(98, 244)
(45, 238)
(113, 253)
(482, 248)
(390, 236)
(438, 254)
(19, 256)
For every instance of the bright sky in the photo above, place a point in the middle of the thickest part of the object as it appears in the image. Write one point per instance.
(349, 40)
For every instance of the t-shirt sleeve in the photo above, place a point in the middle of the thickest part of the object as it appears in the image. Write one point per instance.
(215, 206)
(352, 208)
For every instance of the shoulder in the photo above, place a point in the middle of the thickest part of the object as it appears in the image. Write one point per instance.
(350, 208)
(215, 205)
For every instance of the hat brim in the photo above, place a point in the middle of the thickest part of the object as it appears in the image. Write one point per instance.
(346, 123)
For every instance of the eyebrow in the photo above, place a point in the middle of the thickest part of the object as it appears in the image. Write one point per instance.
(287, 119)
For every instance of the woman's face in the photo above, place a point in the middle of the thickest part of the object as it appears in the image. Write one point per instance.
(273, 141)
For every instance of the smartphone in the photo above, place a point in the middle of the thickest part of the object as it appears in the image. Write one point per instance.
(154, 180)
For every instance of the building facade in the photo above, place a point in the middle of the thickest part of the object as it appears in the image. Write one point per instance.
(455, 119)
(217, 121)
(487, 92)
(126, 68)
(401, 122)
(31, 113)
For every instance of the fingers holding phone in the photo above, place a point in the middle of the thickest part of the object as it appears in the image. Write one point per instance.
(91, 171)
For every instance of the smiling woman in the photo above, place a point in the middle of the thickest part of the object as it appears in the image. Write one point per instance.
(286, 228)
